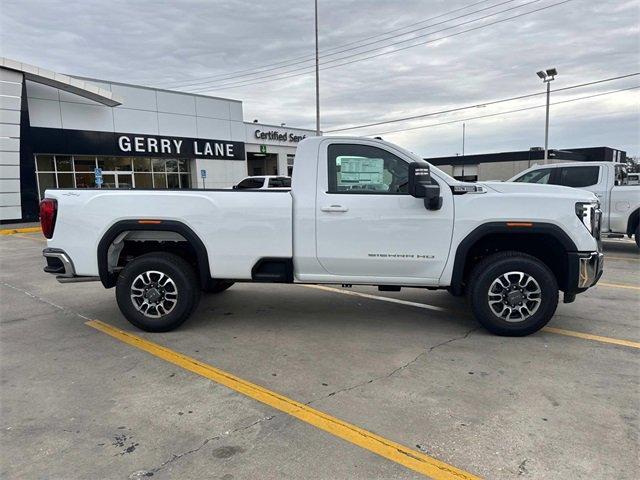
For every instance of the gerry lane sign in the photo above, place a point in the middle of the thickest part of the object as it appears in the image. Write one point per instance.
(149, 145)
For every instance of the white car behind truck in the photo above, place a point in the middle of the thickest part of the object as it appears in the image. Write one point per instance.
(619, 197)
(360, 212)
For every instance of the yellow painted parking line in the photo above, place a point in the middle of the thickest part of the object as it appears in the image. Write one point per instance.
(617, 285)
(13, 231)
(412, 459)
(559, 331)
(588, 336)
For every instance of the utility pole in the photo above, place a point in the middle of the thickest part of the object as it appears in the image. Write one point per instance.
(317, 76)
(547, 77)
(463, 132)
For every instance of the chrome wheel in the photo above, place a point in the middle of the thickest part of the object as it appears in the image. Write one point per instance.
(514, 296)
(154, 294)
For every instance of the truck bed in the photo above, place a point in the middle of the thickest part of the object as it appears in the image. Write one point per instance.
(238, 228)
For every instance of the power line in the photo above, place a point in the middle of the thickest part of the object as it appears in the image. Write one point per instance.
(484, 104)
(253, 72)
(224, 87)
(503, 113)
(299, 69)
(309, 58)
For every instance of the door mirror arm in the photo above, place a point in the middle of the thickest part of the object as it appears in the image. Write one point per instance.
(421, 186)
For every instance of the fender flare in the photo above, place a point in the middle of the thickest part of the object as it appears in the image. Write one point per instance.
(632, 222)
(108, 279)
(457, 276)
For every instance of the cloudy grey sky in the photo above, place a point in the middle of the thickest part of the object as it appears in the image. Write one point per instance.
(172, 44)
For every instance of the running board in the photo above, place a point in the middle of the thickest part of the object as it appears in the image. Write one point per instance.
(77, 279)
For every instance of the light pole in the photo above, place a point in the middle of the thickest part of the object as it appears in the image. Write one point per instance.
(547, 77)
(317, 75)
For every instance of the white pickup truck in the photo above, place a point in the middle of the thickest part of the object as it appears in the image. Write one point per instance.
(620, 199)
(360, 212)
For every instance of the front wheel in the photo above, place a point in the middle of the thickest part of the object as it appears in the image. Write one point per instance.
(157, 292)
(513, 294)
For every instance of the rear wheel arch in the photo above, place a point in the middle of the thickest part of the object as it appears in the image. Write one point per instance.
(545, 241)
(109, 278)
(632, 223)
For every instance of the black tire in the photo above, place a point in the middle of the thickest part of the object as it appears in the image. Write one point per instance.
(217, 286)
(488, 274)
(637, 235)
(183, 281)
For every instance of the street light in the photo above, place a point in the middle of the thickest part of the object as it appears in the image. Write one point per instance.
(547, 76)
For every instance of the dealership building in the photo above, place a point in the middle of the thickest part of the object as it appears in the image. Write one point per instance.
(56, 130)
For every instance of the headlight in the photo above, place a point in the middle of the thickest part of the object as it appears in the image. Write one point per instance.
(590, 215)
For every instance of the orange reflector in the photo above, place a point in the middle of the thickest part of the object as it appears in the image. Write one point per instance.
(519, 224)
(154, 222)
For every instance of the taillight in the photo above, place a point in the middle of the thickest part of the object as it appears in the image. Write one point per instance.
(48, 212)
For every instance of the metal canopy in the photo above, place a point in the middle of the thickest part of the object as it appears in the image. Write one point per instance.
(62, 82)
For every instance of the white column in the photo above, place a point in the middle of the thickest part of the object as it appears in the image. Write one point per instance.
(10, 102)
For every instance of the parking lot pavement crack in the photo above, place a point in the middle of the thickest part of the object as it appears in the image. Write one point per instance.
(177, 456)
(397, 369)
(43, 300)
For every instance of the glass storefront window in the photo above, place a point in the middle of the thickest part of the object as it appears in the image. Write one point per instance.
(115, 164)
(85, 180)
(143, 180)
(46, 180)
(173, 180)
(66, 171)
(158, 165)
(84, 164)
(64, 164)
(142, 164)
(172, 166)
(159, 180)
(65, 180)
(185, 182)
(45, 163)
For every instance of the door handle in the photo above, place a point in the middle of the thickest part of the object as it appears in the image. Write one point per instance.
(335, 208)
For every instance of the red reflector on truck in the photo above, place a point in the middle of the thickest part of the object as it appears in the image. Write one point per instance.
(519, 224)
(153, 222)
(48, 213)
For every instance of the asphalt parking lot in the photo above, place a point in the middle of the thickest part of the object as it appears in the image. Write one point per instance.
(85, 400)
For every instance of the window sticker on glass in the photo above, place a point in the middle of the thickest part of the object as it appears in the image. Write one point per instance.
(356, 171)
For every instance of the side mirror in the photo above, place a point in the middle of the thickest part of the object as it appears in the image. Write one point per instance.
(421, 186)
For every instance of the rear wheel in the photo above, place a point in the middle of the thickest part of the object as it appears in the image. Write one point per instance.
(157, 292)
(513, 294)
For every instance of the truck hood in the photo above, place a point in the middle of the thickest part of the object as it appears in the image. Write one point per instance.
(540, 189)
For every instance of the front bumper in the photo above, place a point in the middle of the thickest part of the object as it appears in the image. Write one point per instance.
(591, 268)
(585, 269)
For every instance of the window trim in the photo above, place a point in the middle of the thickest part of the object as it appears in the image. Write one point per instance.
(331, 171)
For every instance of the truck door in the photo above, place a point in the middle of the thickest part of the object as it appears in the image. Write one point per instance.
(367, 225)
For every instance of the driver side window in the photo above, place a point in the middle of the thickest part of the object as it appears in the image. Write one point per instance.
(536, 176)
(365, 169)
